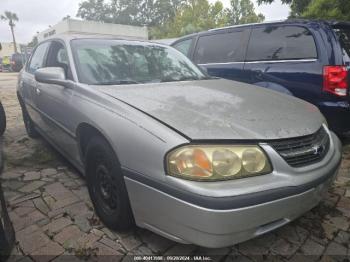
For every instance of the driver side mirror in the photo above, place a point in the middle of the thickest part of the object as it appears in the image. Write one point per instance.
(52, 75)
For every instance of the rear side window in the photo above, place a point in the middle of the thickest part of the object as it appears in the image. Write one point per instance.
(281, 43)
(184, 46)
(344, 39)
(219, 48)
(38, 58)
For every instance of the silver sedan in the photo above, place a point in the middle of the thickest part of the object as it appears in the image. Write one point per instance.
(195, 159)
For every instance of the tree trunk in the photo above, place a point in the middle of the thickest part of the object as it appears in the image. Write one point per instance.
(14, 40)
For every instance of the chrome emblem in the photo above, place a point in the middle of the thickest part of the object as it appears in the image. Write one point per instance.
(318, 149)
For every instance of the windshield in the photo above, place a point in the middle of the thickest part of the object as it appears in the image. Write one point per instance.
(114, 62)
(344, 38)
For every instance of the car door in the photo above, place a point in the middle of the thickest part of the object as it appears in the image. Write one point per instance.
(222, 52)
(284, 58)
(55, 103)
(27, 83)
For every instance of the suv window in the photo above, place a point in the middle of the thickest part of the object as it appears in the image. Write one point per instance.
(344, 39)
(38, 58)
(184, 46)
(281, 43)
(219, 48)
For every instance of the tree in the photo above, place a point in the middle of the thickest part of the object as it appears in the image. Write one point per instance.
(11, 18)
(242, 12)
(325, 9)
(169, 18)
(130, 12)
(34, 42)
(194, 16)
(95, 10)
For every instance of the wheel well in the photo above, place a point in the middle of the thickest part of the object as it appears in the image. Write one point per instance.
(84, 133)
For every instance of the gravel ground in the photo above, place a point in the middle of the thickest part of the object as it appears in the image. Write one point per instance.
(54, 218)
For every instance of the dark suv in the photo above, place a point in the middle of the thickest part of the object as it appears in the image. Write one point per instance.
(304, 58)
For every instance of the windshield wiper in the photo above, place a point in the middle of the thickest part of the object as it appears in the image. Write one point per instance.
(118, 82)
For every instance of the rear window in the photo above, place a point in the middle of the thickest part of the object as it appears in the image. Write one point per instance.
(184, 46)
(344, 39)
(219, 48)
(281, 43)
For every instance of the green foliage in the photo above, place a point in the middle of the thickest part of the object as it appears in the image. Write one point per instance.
(297, 7)
(34, 42)
(325, 9)
(242, 12)
(194, 16)
(169, 18)
(11, 18)
(130, 12)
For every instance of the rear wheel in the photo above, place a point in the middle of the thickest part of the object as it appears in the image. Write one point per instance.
(2, 120)
(106, 185)
(29, 125)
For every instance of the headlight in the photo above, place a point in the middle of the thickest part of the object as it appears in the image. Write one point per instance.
(213, 163)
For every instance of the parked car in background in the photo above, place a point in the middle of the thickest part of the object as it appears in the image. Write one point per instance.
(6, 63)
(194, 158)
(7, 234)
(17, 61)
(303, 58)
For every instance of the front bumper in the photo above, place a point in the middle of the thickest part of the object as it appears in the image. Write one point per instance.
(226, 220)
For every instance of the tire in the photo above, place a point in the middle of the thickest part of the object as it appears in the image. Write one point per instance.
(7, 233)
(28, 123)
(2, 120)
(106, 185)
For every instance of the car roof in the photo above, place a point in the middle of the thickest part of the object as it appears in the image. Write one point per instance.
(125, 40)
(278, 22)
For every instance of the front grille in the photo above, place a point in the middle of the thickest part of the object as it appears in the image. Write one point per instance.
(303, 151)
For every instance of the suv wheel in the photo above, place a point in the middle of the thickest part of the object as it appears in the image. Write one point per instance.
(106, 185)
(2, 120)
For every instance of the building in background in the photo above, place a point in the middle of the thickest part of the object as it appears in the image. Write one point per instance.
(8, 49)
(73, 26)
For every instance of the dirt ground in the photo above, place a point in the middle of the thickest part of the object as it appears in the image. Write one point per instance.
(54, 218)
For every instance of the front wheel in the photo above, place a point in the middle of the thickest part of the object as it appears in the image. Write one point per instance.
(106, 185)
(28, 123)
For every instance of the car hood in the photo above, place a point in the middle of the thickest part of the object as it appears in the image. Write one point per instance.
(221, 109)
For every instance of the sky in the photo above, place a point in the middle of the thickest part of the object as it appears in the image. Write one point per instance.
(36, 15)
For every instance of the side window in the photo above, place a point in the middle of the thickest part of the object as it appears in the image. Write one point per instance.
(281, 43)
(184, 46)
(37, 61)
(219, 48)
(58, 57)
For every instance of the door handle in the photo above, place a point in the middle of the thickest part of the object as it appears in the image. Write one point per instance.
(38, 92)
